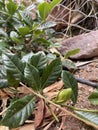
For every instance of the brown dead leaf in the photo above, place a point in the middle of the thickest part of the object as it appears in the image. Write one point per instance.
(2, 94)
(56, 86)
(23, 90)
(63, 126)
(27, 127)
(4, 102)
(51, 95)
(39, 113)
(4, 97)
(52, 90)
(54, 50)
(8, 92)
(49, 125)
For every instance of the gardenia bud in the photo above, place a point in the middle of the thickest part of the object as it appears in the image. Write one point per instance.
(63, 96)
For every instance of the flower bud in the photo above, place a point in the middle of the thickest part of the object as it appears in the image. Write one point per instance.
(63, 96)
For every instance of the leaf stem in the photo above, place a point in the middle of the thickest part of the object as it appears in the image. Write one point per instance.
(80, 109)
(55, 117)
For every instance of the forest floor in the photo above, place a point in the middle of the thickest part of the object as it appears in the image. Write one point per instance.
(66, 122)
(87, 72)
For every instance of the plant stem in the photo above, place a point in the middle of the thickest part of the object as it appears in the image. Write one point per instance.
(55, 117)
(1, 113)
(87, 82)
(79, 109)
(58, 106)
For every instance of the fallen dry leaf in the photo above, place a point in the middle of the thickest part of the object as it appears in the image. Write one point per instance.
(27, 127)
(9, 92)
(2, 94)
(51, 95)
(4, 97)
(56, 86)
(63, 126)
(39, 113)
(4, 102)
(49, 125)
(23, 90)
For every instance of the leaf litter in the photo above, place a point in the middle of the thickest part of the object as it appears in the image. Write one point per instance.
(44, 119)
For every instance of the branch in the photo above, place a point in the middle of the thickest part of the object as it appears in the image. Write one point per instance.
(87, 82)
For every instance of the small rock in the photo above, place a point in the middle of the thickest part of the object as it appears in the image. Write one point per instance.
(87, 43)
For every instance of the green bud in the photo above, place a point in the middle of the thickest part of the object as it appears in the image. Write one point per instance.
(63, 96)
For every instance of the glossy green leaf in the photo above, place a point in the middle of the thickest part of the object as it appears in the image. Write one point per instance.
(47, 24)
(90, 118)
(2, 4)
(3, 33)
(24, 30)
(26, 17)
(51, 56)
(2, 71)
(30, 7)
(71, 53)
(32, 77)
(51, 73)
(37, 33)
(54, 3)
(27, 57)
(13, 64)
(15, 38)
(12, 7)
(68, 64)
(19, 47)
(13, 34)
(11, 79)
(70, 82)
(44, 10)
(26, 14)
(3, 83)
(93, 98)
(18, 112)
(4, 44)
(39, 60)
(44, 41)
